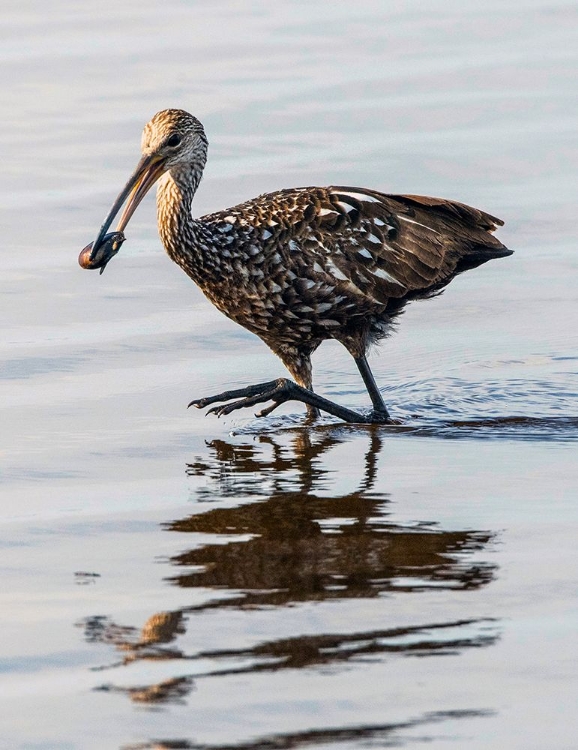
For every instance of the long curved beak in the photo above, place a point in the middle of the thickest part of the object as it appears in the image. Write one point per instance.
(147, 172)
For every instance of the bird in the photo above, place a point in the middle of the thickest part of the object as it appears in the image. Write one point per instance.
(301, 265)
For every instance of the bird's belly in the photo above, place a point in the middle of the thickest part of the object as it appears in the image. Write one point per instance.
(292, 315)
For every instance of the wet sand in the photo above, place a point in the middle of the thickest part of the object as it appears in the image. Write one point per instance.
(171, 580)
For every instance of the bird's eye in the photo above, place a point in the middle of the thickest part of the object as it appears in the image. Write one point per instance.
(174, 140)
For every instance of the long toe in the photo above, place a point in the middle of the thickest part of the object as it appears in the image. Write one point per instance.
(250, 390)
(258, 398)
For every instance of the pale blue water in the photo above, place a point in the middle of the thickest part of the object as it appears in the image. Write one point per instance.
(171, 580)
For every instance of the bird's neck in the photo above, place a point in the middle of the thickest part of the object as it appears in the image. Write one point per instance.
(178, 230)
(193, 244)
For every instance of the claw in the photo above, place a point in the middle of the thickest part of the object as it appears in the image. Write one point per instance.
(268, 409)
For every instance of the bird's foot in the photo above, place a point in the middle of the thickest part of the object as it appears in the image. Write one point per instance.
(279, 391)
(377, 416)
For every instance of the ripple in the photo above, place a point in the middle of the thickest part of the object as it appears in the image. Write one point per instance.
(516, 408)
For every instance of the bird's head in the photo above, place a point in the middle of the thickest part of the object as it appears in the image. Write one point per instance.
(172, 139)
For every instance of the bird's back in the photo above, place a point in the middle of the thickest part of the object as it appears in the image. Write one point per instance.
(320, 252)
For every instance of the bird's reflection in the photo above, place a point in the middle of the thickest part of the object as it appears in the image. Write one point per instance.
(272, 529)
(376, 735)
(307, 546)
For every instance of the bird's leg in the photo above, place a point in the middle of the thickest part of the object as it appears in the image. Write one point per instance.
(379, 408)
(298, 362)
(279, 391)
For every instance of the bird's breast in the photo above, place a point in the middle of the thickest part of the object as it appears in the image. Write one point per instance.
(277, 290)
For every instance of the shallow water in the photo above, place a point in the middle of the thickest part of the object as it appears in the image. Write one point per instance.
(171, 580)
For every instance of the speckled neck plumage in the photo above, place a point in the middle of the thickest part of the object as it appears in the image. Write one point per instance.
(177, 228)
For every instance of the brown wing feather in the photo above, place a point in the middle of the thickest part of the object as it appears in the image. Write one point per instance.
(367, 244)
(423, 241)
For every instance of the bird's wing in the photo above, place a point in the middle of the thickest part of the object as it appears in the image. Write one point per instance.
(399, 245)
(377, 246)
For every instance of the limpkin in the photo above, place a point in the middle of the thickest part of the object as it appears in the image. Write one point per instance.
(299, 266)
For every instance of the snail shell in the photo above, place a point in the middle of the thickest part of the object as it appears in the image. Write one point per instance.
(109, 247)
